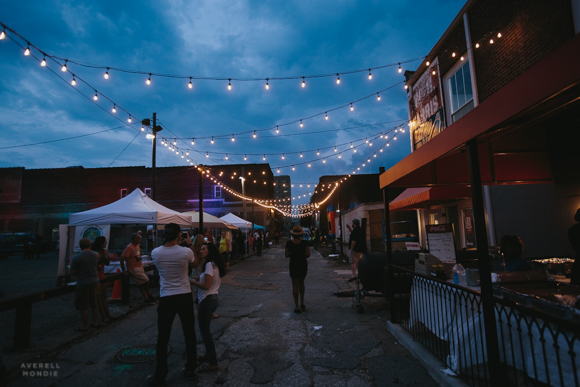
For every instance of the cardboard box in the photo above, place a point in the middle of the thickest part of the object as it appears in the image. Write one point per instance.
(425, 261)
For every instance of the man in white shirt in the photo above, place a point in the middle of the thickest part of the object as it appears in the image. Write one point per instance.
(174, 264)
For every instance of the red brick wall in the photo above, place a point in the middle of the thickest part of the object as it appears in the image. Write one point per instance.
(530, 29)
(455, 43)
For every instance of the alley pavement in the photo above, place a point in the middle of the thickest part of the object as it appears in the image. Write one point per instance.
(259, 339)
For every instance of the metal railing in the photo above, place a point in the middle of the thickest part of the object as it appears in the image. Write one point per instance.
(23, 306)
(536, 348)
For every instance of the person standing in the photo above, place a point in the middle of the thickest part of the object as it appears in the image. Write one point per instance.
(99, 247)
(225, 249)
(259, 241)
(208, 235)
(357, 246)
(132, 257)
(174, 264)
(277, 237)
(241, 241)
(315, 238)
(298, 251)
(574, 238)
(84, 266)
(208, 285)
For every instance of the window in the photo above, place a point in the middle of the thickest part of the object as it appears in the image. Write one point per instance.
(123, 192)
(148, 192)
(460, 92)
(217, 191)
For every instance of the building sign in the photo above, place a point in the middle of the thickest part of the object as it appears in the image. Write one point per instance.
(426, 106)
(441, 242)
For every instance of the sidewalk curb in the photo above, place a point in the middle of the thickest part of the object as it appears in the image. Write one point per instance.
(433, 365)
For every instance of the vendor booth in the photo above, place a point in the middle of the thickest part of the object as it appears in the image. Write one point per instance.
(208, 221)
(134, 209)
(522, 326)
(241, 223)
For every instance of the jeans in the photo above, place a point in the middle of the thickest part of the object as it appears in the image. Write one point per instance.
(182, 305)
(204, 311)
(259, 248)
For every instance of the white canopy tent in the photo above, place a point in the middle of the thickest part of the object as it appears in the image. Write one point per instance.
(209, 220)
(135, 208)
(240, 223)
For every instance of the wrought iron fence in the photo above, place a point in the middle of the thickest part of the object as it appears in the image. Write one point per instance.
(536, 348)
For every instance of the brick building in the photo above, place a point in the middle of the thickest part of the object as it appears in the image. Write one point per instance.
(501, 83)
(38, 200)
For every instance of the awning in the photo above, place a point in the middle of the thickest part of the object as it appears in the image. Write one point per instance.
(209, 220)
(512, 128)
(417, 198)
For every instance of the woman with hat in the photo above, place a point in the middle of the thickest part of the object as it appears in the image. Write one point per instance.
(297, 250)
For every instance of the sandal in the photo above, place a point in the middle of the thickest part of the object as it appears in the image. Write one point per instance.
(206, 368)
(79, 329)
(303, 307)
(297, 310)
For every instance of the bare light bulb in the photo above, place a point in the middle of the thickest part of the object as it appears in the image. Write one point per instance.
(326, 116)
(27, 51)
(427, 63)
(63, 68)
(277, 130)
(400, 69)
(337, 79)
(106, 74)
(378, 97)
(148, 82)
(476, 45)
(129, 119)
(301, 124)
(300, 154)
(2, 35)
(351, 107)
(114, 109)
(193, 141)
(303, 82)
(254, 134)
(267, 85)
(233, 138)
(229, 84)
(73, 82)
(212, 139)
(96, 97)
(370, 75)
(43, 63)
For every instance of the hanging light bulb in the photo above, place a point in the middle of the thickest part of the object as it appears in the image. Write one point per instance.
(324, 160)
(283, 157)
(301, 124)
(174, 142)
(264, 158)
(277, 129)
(351, 107)
(303, 82)
(351, 144)
(309, 165)
(434, 72)
(254, 134)
(400, 69)
(499, 34)
(207, 155)
(339, 156)
(106, 74)
(43, 63)
(453, 55)
(187, 153)
(233, 138)
(142, 128)
(148, 82)
(476, 45)
(114, 110)
(370, 75)
(2, 34)
(226, 156)
(74, 81)
(245, 157)
(229, 83)
(267, 85)
(406, 86)
(337, 79)
(27, 51)
(462, 58)
(378, 97)
(278, 170)
(193, 141)
(212, 139)
(318, 152)
(129, 119)
(300, 154)
(335, 149)
(326, 115)
(427, 63)
(490, 41)
(63, 68)
(183, 156)
(96, 97)
(190, 84)
(188, 159)
(354, 150)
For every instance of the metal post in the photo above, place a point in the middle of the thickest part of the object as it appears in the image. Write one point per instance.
(22, 325)
(496, 368)
(243, 179)
(252, 214)
(153, 163)
(388, 249)
(200, 169)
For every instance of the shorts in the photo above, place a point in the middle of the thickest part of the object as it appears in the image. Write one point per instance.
(102, 291)
(138, 274)
(86, 297)
(354, 257)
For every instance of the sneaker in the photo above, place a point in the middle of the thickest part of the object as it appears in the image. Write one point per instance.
(189, 374)
(151, 381)
(149, 301)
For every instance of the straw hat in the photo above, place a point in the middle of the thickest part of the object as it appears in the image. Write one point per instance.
(296, 230)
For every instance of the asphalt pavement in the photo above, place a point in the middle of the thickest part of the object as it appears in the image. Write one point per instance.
(259, 339)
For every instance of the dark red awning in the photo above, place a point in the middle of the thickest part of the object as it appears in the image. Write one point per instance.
(416, 198)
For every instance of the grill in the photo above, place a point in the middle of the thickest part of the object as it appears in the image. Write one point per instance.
(138, 354)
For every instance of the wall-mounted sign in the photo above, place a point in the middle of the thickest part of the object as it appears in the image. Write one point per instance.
(426, 106)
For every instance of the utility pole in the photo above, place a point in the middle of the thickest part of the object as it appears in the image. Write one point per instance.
(243, 179)
(155, 129)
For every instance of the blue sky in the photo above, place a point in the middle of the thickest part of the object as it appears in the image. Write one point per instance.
(212, 39)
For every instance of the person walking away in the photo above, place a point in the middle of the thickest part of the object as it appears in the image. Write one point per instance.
(259, 242)
(298, 251)
(241, 244)
(84, 266)
(99, 247)
(357, 246)
(225, 248)
(174, 264)
(132, 258)
(208, 285)
(277, 237)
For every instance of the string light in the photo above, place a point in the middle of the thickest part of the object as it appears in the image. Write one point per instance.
(226, 156)
(129, 119)
(434, 72)
(277, 129)
(106, 74)
(427, 63)
(293, 168)
(370, 75)
(27, 51)
(190, 84)
(499, 34)
(326, 115)
(476, 45)
(318, 152)
(63, 68)
(267, 85)
(73, 82)
(283, 157)
(207, 155)
(490, 41)
(351, 107)
(400, 69)
(245, 158)
(193, 141)
(96, 97)
(351, 144)
(212, 139)
(303, 82)
(453, 55)
(174, 142)
(337, 79)
(378, 97)
(229, 84)
(43, 63)
(233, 138)
(301, 124)
(2, 34)
(335, 149)
(406, 86)
(264, 158)
(142, 128)
(300, 154)
(114, 110)
(148, 82)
